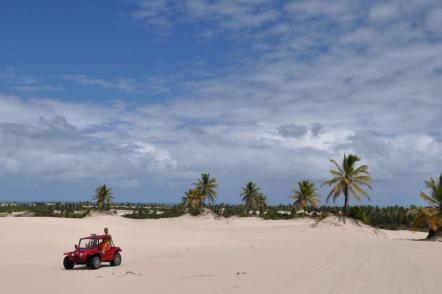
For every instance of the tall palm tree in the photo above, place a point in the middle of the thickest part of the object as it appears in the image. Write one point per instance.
(103, 196)
(348, 179)
(249, 195)
(431, 216)
(206, 187)
(305, 195)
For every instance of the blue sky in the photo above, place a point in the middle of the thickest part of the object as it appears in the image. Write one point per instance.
(145, 94)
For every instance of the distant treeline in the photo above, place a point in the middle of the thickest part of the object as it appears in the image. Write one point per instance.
(47, 209)
(391, 217)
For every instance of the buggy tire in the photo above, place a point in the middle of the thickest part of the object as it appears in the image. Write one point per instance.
(94, 262)
(116, 259)
(68, 263)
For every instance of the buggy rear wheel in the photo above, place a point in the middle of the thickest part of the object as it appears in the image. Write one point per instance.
(116, 260)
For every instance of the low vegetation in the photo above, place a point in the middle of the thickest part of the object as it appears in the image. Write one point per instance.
(392, 217)
(48, 209)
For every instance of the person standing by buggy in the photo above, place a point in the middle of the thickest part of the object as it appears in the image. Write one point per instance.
(107, 242)
(106, 232)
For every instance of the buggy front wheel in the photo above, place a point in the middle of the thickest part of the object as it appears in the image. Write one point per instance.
(68, 263)
(94, 262)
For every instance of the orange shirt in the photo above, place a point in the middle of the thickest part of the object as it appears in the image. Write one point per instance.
(106, 244)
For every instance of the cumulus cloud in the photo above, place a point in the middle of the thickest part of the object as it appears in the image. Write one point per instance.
(48, 145)
(157, 142)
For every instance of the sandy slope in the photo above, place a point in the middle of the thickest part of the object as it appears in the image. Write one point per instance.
(187, 255)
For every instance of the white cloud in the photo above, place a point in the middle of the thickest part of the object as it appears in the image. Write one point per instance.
(49, 145)
(172, 143)
(9, 77)
(224, 15)
(124, 84)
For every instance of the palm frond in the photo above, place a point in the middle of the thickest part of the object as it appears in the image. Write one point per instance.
(363, 183)
(361, 170)
(429, 199)
(354, 193)
(360, 190)
(341, 171)
(331, 181)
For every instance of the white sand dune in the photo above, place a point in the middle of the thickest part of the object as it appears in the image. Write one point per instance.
(237, 255)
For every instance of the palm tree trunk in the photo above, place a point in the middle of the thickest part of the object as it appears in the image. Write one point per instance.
(345, 201)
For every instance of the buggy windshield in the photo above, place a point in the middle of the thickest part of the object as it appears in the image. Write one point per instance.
(88, 243)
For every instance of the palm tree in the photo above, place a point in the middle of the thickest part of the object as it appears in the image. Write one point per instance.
(305, 195)
(103, 196)
(261, 202)
(192, 199)
(348, 179)
(206, 188)
(250, 193)
(431, 216)
(435, 199)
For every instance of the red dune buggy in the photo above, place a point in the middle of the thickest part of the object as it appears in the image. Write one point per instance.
(92, 251)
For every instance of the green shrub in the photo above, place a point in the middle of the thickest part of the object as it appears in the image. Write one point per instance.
(323, 214)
